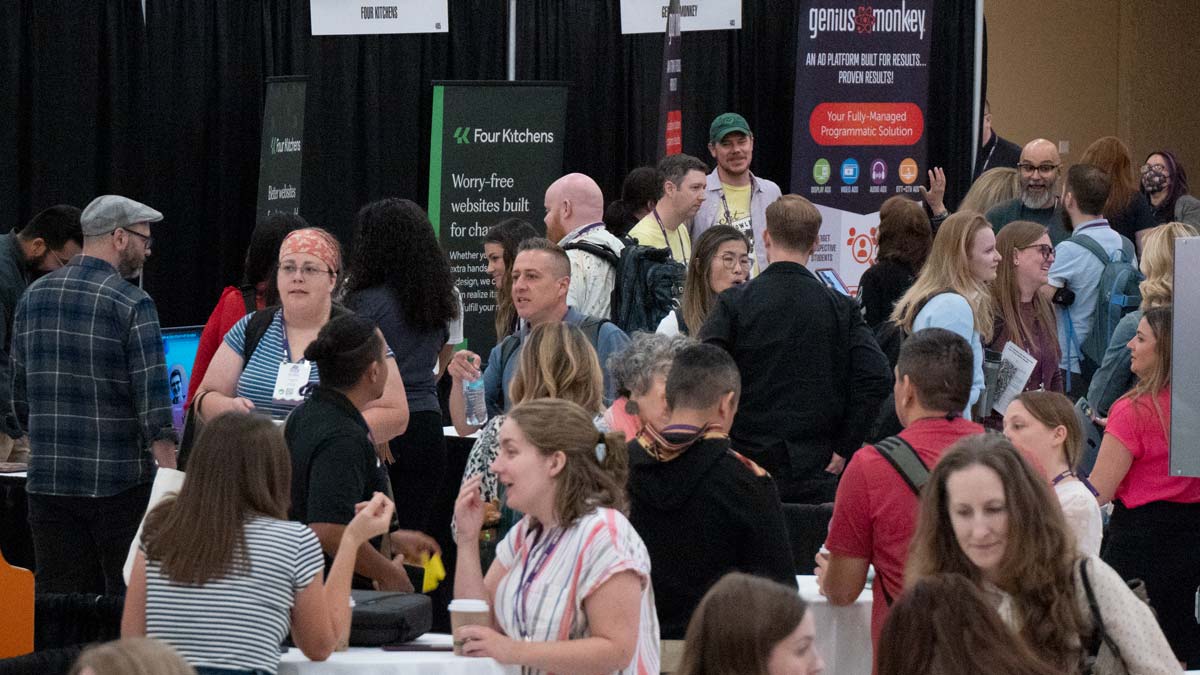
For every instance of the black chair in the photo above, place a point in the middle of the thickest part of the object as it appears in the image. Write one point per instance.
(47, 662)
(808, 525)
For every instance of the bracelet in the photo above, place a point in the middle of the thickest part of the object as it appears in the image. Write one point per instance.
(199, 400)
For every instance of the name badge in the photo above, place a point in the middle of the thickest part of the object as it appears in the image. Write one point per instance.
(747, 228)
(291, 382)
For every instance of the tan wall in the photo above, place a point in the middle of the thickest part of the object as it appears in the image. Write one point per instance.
(1076, 70)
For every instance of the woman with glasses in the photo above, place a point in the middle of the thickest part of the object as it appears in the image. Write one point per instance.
(1127, 209)
(1165, 184)
(276, 377)
(721, 260)
(1022, 315)
(905, 238)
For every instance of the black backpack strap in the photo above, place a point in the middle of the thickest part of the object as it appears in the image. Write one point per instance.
(591, 326)
(249, 298)
(905, 460)
(594, 249)
(256, 328)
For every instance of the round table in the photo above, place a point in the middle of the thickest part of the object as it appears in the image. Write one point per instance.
(843, 633)
(376, 661)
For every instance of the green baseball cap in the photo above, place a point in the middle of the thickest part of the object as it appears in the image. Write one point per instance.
(725, 124)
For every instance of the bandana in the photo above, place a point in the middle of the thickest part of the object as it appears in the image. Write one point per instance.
(656, 444)
(315, 242)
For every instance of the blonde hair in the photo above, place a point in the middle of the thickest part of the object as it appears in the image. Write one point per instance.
(1158, 262)
(132, 656)
(994, 186)
(948, 269)
(557, 361)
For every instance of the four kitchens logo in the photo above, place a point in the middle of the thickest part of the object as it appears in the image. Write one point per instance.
(468, 135)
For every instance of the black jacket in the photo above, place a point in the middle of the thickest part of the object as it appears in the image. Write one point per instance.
(812, 374)
(997, 152)
(702, 515)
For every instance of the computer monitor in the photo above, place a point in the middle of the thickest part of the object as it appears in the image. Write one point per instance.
(179, 348)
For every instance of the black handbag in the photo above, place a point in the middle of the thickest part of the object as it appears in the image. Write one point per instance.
(387, 617)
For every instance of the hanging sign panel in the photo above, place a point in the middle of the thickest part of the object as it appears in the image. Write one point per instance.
(650, 16)
(282, 151)
(859, 137)
(372, 17)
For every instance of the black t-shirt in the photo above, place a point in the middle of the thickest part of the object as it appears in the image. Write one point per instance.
(334, 465)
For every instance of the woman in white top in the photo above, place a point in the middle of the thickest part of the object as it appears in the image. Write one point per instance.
(951, 291)
(1044, 427)
(721, 260)
(570, 587)
(223, 575)
(986, 514)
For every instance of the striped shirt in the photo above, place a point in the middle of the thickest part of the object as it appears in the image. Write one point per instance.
(238, 621)
(257, 381)
(87, 356)
(550, 574)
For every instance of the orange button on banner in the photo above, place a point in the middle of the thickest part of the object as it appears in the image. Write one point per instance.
(866, 124)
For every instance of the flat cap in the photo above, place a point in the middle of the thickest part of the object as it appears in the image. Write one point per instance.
(108, 212)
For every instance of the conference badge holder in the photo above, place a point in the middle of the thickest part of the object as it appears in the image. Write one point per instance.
(291, 382)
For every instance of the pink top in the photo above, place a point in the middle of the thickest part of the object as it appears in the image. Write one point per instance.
(618, 420)
(1136, 424)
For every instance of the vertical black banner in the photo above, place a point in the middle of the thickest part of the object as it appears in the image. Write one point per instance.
(670, 110)
(494, 149)
(859, 137)
(282, 146)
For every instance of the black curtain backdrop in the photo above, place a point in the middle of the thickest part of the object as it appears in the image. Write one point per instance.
(169, 111)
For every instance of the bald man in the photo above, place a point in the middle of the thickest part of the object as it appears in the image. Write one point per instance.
(1040, 172)
(575, 220)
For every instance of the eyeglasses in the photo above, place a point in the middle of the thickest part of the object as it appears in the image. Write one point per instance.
(732, 261)
(1044, 169)
(146, 239)
(1046, 250)
(307, 271)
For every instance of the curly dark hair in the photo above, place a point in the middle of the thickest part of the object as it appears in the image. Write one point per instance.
(263, 252)
(394, 246)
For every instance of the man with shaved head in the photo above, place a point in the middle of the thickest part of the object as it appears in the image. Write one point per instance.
(575, 215)
(1040, 171)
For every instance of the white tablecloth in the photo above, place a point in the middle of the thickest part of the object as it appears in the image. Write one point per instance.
(843, 633)
(375, 661)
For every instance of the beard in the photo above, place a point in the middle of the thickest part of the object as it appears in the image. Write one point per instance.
(1035, 201)
(129, 265)
(1066, 221)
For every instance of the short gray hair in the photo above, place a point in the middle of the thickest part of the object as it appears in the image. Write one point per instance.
(648, 354)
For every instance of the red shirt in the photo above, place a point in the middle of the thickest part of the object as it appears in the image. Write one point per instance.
(229, 310)
(875, 513)
(1137, 425)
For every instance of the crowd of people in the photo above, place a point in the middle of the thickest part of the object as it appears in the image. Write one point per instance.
(627, 483)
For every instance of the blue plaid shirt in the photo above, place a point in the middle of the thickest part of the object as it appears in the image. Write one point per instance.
(87, 345)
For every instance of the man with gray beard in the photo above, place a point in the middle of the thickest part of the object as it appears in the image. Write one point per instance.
(1039, 171)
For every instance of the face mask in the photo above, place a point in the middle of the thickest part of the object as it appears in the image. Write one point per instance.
(1153, 181)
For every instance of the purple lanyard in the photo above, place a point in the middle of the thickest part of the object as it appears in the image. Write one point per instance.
(578, 234)
(287, 349)
(663, 229)
(525, 582)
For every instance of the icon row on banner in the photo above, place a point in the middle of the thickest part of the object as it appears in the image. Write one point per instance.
(849, 172)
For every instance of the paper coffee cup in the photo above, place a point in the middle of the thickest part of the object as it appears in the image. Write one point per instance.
(467, 612)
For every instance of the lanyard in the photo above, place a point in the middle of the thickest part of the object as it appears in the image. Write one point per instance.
(663, 229)
(725, 205)
(1071, 474)
(287, 349)
(525, 581)
(578, 234)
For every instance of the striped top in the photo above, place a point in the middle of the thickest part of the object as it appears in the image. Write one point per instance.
(257, 381)
(560, 568)
(238, 621)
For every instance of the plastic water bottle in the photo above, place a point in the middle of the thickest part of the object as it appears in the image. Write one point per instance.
(476, 405)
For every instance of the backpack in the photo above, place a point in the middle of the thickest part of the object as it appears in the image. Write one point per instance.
(905, 460)
(1119, 294)
(590, 326)
(648, 284)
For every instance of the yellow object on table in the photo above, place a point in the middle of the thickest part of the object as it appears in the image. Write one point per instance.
(435, 571)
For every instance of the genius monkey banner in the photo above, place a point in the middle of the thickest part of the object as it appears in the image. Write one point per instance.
(859, 136)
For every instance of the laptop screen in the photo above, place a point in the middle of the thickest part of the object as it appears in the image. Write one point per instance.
(179, 347)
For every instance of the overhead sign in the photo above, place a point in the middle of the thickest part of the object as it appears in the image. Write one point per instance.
(371, 17)
(494, 148)
(650, 16)
(282, 151)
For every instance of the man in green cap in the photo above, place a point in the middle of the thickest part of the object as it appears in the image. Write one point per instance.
(733, 195)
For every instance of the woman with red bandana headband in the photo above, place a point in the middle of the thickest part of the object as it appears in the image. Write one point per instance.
(1165, 183)
(276, 377)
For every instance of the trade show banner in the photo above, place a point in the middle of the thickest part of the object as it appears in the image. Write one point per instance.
(648, 16)
(494, 149)
(282, 153)
(862, 86)
(670, 107)
(371, 17)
